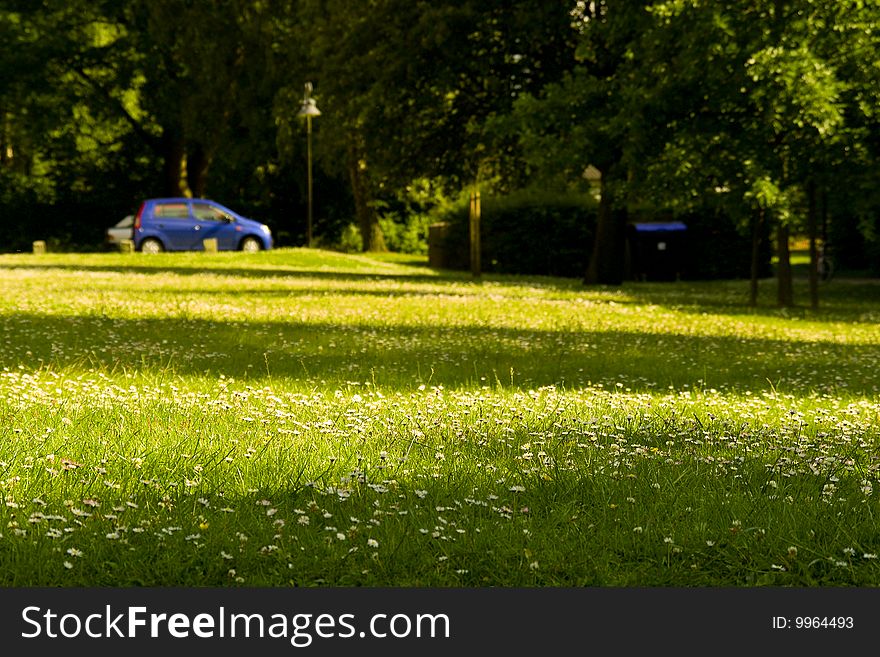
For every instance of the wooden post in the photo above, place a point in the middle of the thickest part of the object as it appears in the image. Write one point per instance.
(476, 269)
(39, 247)
(210, 244)
(437, 245)
(126, 246)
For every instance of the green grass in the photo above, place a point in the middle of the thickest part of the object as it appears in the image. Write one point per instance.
(309, 418)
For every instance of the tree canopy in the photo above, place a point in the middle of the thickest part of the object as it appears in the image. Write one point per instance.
(763, 111)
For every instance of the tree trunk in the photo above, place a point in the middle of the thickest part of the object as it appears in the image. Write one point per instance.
(5, 145)
(368, 221)
(757, 227)
(606, 265)
(197, 164)
(812, 230)
(173, 161)
(785, 292)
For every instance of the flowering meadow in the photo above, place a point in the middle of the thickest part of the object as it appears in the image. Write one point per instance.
(305, 418)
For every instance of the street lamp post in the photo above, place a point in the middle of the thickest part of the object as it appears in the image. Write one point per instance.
(308, 110)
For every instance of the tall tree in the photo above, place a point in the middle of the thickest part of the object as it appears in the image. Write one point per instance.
(203, 68)
(686, 103)
(600, 115)
(179, 76)
(409, 85)
(789, 120)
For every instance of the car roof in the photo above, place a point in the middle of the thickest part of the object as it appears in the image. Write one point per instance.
(183, 199)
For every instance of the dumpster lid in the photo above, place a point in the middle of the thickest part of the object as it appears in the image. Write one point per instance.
(659, 227)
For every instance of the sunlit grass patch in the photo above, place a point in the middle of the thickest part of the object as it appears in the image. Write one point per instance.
(304, 418)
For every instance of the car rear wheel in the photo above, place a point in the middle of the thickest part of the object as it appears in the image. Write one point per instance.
(251, 245)
(151, 245)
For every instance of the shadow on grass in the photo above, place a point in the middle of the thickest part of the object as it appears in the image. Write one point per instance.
(217, 269)
(840, 300)
(401, 357)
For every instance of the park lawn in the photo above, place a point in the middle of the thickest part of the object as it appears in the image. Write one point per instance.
(307, 418)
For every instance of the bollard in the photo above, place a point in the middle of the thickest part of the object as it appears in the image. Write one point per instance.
(210, 244)
(126, 246)
(39, 246)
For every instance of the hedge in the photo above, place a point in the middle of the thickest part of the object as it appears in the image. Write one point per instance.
(552, 235)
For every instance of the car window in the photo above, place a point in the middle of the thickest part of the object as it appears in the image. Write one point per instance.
(206, 212)
(171, 210)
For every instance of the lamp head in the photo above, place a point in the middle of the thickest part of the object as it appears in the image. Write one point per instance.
(309, 108)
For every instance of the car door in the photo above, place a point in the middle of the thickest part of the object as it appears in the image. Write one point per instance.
(175, 224)
(214, 221)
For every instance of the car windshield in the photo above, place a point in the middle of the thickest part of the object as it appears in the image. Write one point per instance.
(126, 223)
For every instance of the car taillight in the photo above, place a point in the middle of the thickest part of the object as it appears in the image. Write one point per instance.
(137, 219)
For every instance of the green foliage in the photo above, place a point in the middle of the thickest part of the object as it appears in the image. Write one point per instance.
(409, 235)
(682, 105)
(405, 217)
(350, 240)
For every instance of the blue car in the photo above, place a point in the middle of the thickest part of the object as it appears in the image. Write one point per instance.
(182, 224)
